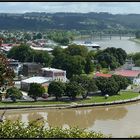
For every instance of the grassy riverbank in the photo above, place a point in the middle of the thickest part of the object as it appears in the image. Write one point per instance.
(93, 99)
(135, 40)
(121, 96)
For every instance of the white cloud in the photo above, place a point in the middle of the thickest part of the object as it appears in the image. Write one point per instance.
(112, 7)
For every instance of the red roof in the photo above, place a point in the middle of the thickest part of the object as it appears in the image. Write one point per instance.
(128, 73)
(102, 75)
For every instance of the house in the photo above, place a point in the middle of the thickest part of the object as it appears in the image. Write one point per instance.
(44, 81)
(55, 74)
(15, 65)
(102, 75)
(31, 69)
(133, 75)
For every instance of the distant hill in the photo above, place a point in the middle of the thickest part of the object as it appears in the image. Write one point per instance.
(69, 21)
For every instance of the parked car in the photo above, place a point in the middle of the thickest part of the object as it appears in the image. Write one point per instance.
(45, 96)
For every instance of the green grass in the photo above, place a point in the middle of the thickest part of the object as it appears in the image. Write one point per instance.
(135, 40)
(121, 96)
(33, 103)
(93, 99)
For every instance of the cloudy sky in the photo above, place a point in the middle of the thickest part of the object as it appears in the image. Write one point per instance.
(84, 7)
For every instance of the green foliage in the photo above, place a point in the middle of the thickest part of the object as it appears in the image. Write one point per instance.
(36, 90)
(57, 89)
(123, 82)
(137, 34)
(18, 129)
(77, 50)
(72, 59)
(87, 83)
(72, 64)
(136, 57)
(89, 66)
(137, 63)
(21, 53)
(73, 89)
(42, 57)
(107, 85)
(24, 53)
(14, 93)
(57, 51)
(61, 37)
(112, 85)
(111, 57)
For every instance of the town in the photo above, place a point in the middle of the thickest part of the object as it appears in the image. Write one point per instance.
(69, 70)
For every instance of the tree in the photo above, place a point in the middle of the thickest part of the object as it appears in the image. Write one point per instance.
(122, 81)
(111, 57)
(87, 83)
(89, 66)
(77, 50)
(107, 85)
(73, 89)
(72, 64)
(137, 63)
(57, 51)
(14, 93)
(57, 89)
(6, 73)
(22, 53)
(38, 36)
(42, 57)
(36, 90)
(137, 34)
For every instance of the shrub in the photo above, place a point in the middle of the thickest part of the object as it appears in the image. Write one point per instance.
(14, 93)
(17, 129)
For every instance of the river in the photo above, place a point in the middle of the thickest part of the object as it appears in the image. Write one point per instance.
(124, 43)
(119, 120)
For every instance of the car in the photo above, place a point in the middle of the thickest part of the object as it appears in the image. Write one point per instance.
(45, 96)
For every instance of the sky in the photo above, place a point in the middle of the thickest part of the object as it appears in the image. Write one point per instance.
(81, 7)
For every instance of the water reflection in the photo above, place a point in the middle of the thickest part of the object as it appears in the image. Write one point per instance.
(82, 117)
(85, 118)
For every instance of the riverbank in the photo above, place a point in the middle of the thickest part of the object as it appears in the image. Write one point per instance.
(135, 40)
(97, 100)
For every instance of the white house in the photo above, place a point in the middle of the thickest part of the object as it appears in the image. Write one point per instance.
(55, 74)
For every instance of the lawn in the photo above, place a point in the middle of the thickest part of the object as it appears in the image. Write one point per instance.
(93, 99)
(121, 96)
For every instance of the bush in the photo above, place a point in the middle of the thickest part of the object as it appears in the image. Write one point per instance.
(36, 90)
(14, 93)
(18, 129)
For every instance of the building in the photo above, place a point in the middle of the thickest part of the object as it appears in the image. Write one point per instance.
(102, 75)
(44, 81)
(55, 74)
(15, 65)
(133, 75)
(31, 69)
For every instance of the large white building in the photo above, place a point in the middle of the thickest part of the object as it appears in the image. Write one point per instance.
(25, 84)
(55, 74)
(46, 76)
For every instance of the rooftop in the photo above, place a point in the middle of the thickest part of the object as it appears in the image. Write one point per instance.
(36, 79)
(52, 69)
(128, 73)
(42, 49)
(102, 75)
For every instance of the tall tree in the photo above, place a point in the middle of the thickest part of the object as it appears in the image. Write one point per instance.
(57, 89)
(73, 89)
(36, 90)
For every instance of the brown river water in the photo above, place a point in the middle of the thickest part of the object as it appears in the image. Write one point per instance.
(119, 120)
